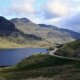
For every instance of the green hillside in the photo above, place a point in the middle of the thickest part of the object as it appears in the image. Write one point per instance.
(70, 49)
(43, 67)
(5, 44)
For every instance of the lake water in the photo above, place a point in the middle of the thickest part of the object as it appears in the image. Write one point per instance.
(13, 56)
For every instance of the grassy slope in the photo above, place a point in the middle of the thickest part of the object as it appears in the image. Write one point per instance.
(70, 49)
(7, 44)
(4, 44)
(45, 67)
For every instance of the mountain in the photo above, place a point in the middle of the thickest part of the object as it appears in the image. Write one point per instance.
(10, 34)
(22, 30)
(48, 26)
(48, 32)
(73, 34)
(8, 29)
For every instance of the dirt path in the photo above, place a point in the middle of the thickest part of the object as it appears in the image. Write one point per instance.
(52, 53)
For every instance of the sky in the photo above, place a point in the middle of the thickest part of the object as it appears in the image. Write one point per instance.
(61, 13)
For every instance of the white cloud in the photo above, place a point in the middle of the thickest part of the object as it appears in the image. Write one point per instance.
(57, 7)
(22, 7)
(56, 12)
(62, 8)
(63, 13)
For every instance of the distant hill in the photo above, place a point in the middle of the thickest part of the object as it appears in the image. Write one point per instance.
(48, 26)
(73, 34)
(70, 49)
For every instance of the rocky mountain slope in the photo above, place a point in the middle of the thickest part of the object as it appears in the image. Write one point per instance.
(8, 29)
(47, 32)
(22, 30)
(74, 34)
(10, 34)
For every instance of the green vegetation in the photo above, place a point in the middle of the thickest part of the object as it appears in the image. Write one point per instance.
(43, 66)
(47, 67)
(70, 49)
(39, 61)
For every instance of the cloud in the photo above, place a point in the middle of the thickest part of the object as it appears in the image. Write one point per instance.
(71, 22)
(60, 8)
(57, 8)
(25, 8)
(21, 7)
(63, 13)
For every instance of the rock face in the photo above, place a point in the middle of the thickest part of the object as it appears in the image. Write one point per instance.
(6, 27)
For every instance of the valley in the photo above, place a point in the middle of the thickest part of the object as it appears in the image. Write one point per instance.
(39, 39)
(45, 67)
(20, 33)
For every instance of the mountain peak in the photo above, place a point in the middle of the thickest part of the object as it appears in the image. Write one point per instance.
(24, 20)
(6, 26)
(2, 18)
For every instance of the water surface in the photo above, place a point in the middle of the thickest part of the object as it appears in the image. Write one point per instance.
(13, 56)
